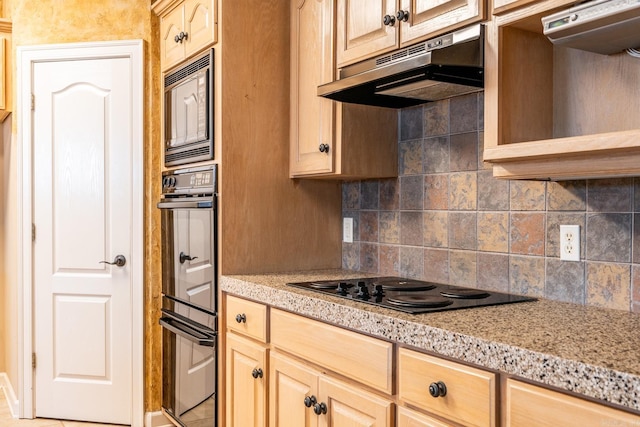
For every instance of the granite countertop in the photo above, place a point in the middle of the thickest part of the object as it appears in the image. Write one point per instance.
(591, 351)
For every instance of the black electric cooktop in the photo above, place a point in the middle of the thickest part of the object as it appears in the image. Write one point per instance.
(408, 295)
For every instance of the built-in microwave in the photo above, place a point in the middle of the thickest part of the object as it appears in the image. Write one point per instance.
(188, 111)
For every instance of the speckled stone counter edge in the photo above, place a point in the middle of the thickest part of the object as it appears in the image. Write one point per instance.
(601, 383)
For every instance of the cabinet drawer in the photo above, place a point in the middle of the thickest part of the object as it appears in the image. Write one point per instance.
(247, 317)
(532, 406)
(470, 397)
(364, 359)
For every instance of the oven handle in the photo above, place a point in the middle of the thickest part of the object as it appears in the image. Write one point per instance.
(188, 322)
(192, 204)
(185, 331)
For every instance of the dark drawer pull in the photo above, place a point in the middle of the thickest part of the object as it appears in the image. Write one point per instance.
(438, 389)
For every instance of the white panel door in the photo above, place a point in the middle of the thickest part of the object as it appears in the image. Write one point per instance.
(82, 183)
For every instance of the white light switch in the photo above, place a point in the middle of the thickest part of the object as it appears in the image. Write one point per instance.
(347, 230)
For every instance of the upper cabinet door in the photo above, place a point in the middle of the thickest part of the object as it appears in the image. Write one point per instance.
(428, 18)
(171, 25)
(186, 29)
(312, 64)
(200, 22)
(361, 29)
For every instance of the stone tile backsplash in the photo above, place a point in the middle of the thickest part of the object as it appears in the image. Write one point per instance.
(445, 218)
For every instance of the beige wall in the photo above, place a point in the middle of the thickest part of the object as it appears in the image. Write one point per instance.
(55, 21)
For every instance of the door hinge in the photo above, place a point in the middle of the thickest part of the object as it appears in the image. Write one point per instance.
(33, 360)
(33, 102)
(33, 232)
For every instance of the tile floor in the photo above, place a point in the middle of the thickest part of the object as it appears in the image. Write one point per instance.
(7, 421)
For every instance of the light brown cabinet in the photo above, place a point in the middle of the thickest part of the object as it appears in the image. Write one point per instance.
(531, 406)
(327, 138)
(6, 101)
(553, 112)
(186, 28)
(247, 318)
(246, 363)
(411, 418)
(385, 25)
(313, 374)
(501, 6)
(246, 382)
(453, 391)
(302, 396)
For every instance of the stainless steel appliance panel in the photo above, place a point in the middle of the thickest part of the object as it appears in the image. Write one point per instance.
(188, 365)
(189, 112)
(189, 272)
(189, 276)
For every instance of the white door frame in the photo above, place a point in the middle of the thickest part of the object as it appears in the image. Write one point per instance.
(26, 57)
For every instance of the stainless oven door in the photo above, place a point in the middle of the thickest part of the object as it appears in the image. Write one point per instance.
(189, 257)
(188, 365)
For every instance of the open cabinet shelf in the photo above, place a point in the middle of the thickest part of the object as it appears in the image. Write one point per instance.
(554, 112)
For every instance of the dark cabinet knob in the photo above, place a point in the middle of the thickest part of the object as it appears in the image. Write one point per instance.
(389, 20)
(309, 401)
(324, 148)
(118, 261)
(241, 318)
(403, 15)
(179, 38)
(438, 389)
(320, 408)
(184, 257)
(256, 373)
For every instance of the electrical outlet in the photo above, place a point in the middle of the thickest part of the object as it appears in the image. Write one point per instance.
(570, 242)
(347, 230)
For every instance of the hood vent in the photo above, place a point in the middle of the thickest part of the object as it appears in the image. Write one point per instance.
(440, 68)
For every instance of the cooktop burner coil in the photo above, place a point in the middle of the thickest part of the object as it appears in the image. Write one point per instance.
(404, 285)
(418, 301)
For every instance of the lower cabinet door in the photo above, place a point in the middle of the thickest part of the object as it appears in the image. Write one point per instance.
(351, 406)
(246, 382)
(409, 418)
(293, 391)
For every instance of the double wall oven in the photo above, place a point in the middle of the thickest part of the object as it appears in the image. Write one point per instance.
(189, 296)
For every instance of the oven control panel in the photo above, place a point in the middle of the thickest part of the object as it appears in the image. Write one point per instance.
(190, 181)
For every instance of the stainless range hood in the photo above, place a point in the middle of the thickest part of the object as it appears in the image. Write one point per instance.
(446, 66)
